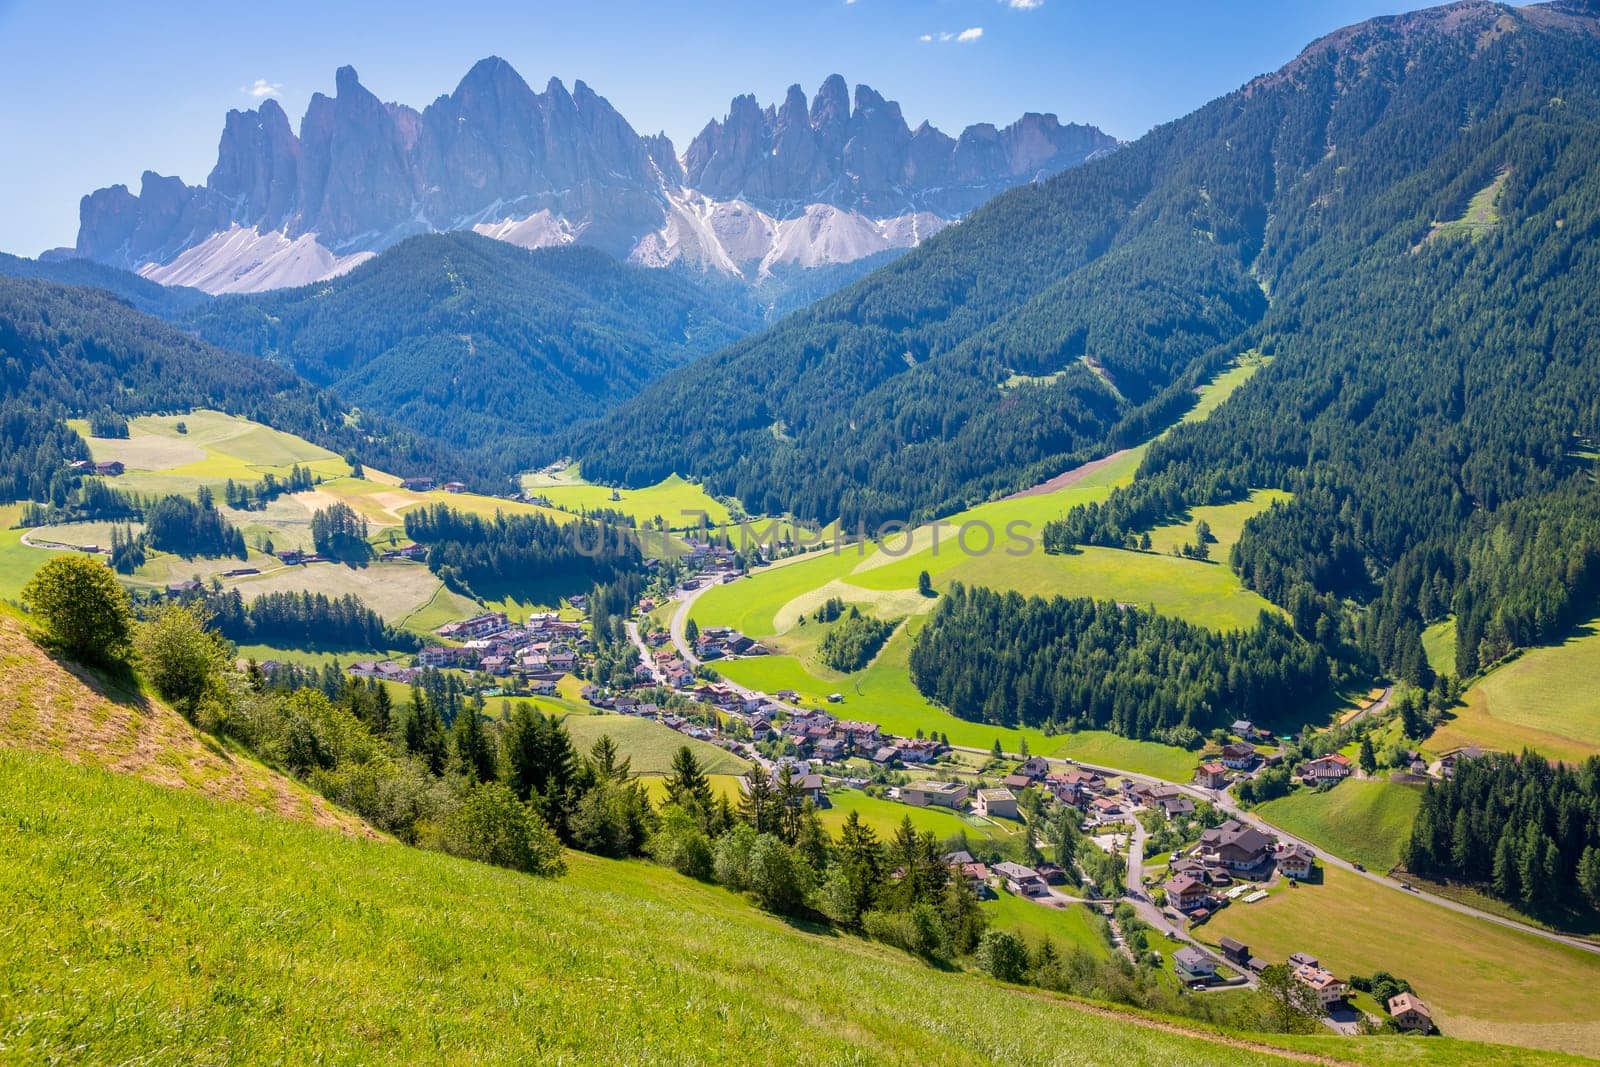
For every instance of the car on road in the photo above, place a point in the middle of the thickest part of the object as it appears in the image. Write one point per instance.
(1359, 867)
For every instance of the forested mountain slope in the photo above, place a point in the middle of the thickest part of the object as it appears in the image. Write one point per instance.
(1115, 282)
(68, 351)
(1435, 396)
(478, 342)
(152, 298)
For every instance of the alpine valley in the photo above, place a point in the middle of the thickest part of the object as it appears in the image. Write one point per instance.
(479, 584)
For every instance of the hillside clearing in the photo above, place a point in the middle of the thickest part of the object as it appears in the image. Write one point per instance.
(649, 744)
(1547, 699)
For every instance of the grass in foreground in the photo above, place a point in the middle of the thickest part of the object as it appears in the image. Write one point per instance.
(1367, 821)
(157, 926)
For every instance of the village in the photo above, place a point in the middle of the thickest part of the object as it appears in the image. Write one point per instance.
(1182, 852)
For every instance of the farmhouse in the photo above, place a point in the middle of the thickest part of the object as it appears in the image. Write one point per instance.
(1035, 767)
(935, 794)
(1016, 781)
(1107, 808)
(1331, 768)
(1192, 965)
(478, 626)
(417, 485)
(1211, 776)
(1235, 846)
(1329, 990)
(1022, 881)
(110, 467)
(1185, 894)
(1296, 861)
(1239, 756)
(1447, 762)
(1174, 807)
(1410, 1013)
(996, 803)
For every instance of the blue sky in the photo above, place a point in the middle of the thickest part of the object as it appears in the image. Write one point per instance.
(93, 93)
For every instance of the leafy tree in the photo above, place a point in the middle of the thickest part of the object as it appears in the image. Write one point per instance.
(1292, 1005)
(679, 843)
(83, 611)
(182, 660)
(1003, 955)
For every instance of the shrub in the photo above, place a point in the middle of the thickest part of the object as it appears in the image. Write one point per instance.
(679, 843)
(181, 659)
(1002, 955)
(493, 826)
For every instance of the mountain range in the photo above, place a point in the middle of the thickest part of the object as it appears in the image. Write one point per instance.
(763, 191)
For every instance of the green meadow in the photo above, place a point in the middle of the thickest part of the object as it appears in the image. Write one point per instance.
(1359, 819)
(670, 499)
(1074, 926)
(1547, 698)
(157, 926)
(885, 817)
(649, 744)
(215, 448)
(1439, 645)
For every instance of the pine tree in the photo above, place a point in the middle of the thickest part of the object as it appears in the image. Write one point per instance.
(688, 787)
(473, 748)
(756, 805)
(1367, 758)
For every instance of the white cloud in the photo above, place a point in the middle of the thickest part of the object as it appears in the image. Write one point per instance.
(966, 36)
(1023, 5)
(262, 88)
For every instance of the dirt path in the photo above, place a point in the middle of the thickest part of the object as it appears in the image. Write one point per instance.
(1242, 1044)
(1071, 477)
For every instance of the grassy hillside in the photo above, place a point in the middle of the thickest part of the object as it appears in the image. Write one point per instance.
(885, 817)
(48, 708)
(163, 927)
(650, 745)
(882, 579)
(1547, 698)
(1367, 821)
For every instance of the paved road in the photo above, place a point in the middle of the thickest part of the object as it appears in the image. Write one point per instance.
(646, 656)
